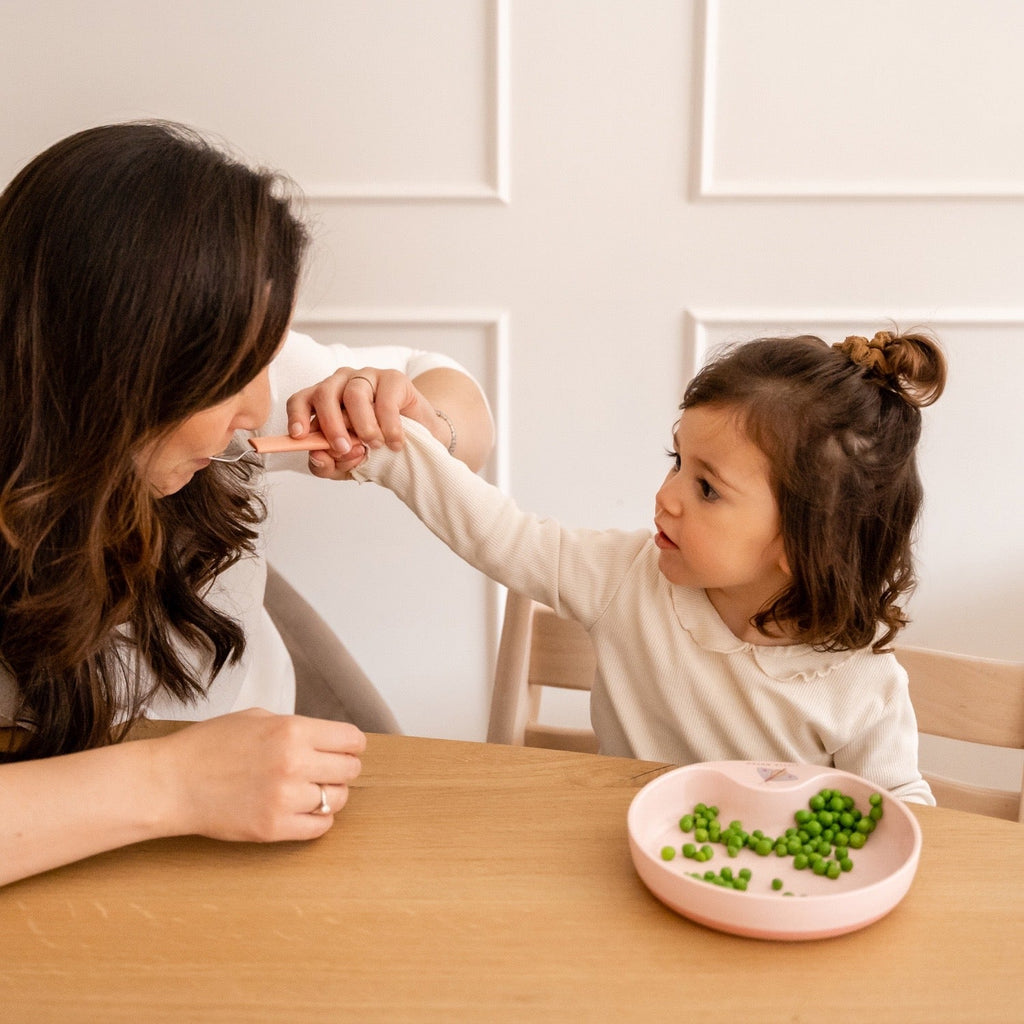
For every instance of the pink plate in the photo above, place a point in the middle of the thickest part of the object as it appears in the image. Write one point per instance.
(765, 795)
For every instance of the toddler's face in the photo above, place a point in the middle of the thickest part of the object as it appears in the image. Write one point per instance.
(717, 519)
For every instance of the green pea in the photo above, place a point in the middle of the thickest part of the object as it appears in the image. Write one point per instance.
(846, 864)
(689, 850)
(745, 873)
(763, 847)
(668, 853)
(800, 861)
(857, 840)
(833, 869)
(686, 823)
(776, 884)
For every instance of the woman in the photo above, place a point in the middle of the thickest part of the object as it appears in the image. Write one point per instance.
(146, 284)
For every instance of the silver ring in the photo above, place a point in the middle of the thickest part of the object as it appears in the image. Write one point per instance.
(325, 807)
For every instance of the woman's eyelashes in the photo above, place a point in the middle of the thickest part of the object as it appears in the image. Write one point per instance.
(674, 456)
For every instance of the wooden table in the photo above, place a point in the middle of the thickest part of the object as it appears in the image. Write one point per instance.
(468, 882)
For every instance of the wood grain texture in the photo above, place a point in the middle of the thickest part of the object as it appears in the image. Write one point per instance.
(479, 882)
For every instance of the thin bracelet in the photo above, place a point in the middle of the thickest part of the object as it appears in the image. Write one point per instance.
(451, 427)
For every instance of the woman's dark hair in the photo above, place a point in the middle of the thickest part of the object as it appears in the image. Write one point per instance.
(145, 275)
(839, 426)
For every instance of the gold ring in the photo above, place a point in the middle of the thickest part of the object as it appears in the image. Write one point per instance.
(359, 376)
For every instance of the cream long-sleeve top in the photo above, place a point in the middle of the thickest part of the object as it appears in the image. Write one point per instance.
(673, 683)
(263, 676)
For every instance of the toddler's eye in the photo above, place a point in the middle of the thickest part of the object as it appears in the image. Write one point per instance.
(709, 493)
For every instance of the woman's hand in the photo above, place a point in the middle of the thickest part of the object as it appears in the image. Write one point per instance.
(358, 410)
(256, 776)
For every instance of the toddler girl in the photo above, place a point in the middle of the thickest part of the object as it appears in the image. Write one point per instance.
(754, 623)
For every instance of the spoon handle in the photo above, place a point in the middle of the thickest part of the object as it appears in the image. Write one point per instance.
(314, 441)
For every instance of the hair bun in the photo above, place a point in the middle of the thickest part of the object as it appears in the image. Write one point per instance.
(912, 365)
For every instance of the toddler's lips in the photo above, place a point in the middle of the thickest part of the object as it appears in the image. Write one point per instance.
(661, 540)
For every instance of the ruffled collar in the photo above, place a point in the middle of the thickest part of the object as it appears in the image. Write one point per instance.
(791, 662)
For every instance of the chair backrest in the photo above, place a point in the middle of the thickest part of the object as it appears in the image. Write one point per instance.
(328, 681)
(537, 650)
(974, 700)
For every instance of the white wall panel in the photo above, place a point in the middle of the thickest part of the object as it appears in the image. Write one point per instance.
(423, 625)
(862, 98)
(370, 99)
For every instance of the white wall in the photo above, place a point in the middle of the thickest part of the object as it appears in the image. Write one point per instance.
(578, 198)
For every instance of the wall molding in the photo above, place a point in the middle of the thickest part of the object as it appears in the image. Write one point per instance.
(697, 323)
(708, 186)
(497, 189)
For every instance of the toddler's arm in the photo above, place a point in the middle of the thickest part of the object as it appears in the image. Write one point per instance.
(887, 752)
(576, 572)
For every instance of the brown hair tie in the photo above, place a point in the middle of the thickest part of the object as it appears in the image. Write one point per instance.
(869, 354)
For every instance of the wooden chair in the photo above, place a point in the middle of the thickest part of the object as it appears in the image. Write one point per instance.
(973, 700)
(538, 650)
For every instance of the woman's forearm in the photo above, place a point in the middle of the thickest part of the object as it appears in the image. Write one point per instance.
(61, 809)
(462, 402)
(249, 775)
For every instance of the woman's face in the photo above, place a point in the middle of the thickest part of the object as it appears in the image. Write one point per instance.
(169, 464)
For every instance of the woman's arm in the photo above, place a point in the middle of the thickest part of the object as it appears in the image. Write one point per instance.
(245, 776)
